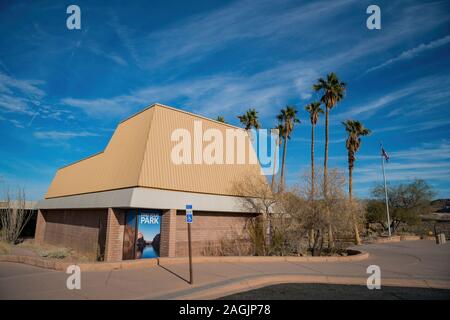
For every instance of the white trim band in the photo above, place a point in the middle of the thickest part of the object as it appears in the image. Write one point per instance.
(145, 198)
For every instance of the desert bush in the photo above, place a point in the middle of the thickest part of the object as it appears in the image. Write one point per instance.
(4, 247)
(295, 222)
(406, 203)
(13, 216)
(211, 249)
(54, 253)
(228, 246)
(257, 236)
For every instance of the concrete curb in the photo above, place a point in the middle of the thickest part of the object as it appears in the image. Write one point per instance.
(396, 239)
(357, 256)
(95, 266)
(263, 281)
(148, 263)
(410, 238)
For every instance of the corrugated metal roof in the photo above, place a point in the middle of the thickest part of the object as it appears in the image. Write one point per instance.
(139, 155)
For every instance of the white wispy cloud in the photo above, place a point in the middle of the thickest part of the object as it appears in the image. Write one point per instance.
(428, 161)
(20, 96)
(427, 125)
(114, 57)
(14, 104)
(62, 135)
(318, 141)
(28, 87)
(222, 94)
(14, 122)
(368, 109)
(418, 90)
(198, 36)
(228, 93)
(424, 152)
(411, 53)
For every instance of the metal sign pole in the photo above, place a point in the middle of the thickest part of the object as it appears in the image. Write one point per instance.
(386, 196)
(189, 220)
(191, 277)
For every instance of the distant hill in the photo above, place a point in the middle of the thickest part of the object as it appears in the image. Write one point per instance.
(441, 205)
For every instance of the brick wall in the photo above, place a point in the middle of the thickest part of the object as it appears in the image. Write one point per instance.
(168, 233)
(40, 228)
(114, 234)
(101, 231)
(79, 229)
(208, 229)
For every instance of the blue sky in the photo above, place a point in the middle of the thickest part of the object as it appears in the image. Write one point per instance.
(62, 92)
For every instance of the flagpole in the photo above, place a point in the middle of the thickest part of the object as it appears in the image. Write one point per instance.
(385, 192)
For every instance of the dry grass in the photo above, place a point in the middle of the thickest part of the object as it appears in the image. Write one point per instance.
(55, 252)
(5, 247)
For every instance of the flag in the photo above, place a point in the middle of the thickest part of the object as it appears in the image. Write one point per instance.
(384, 154)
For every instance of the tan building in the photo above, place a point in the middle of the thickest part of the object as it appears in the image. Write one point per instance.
(128, 201)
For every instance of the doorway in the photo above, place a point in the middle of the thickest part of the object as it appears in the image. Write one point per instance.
(142, 234)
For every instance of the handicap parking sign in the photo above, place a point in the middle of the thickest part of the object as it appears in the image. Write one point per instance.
(189, 213)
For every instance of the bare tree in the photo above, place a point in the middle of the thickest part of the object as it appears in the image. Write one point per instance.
(14, 216)
(257, 197)
(286, 217)
(319, 214)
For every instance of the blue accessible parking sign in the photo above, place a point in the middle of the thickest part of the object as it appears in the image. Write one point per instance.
(189, 213)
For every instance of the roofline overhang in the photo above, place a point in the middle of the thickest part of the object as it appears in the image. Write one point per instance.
(139, 197)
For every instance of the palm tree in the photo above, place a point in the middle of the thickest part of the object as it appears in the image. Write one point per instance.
(333, 91)
(250, 119)
(221, 119)
(314, 110)
(287, 119)
(355, 130)
(279, 127)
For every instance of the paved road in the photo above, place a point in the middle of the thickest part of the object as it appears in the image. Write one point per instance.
(317, 291)
(406, 261)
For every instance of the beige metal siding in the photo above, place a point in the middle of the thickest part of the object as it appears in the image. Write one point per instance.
(139, 154)
(117, 167)
(159, 171)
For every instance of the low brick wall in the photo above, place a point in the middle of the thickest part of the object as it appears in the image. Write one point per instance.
(147, 263)
(208, 229)
(94, 266)
(83, 230)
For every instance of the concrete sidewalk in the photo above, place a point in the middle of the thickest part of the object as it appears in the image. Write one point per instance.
(407, 263)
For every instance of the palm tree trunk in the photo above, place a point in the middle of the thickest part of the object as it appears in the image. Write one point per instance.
(350, 197)
(283, 162)
(311, 232)
(312, 163)
(350, 180)
(325, 178)
(325, 161)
